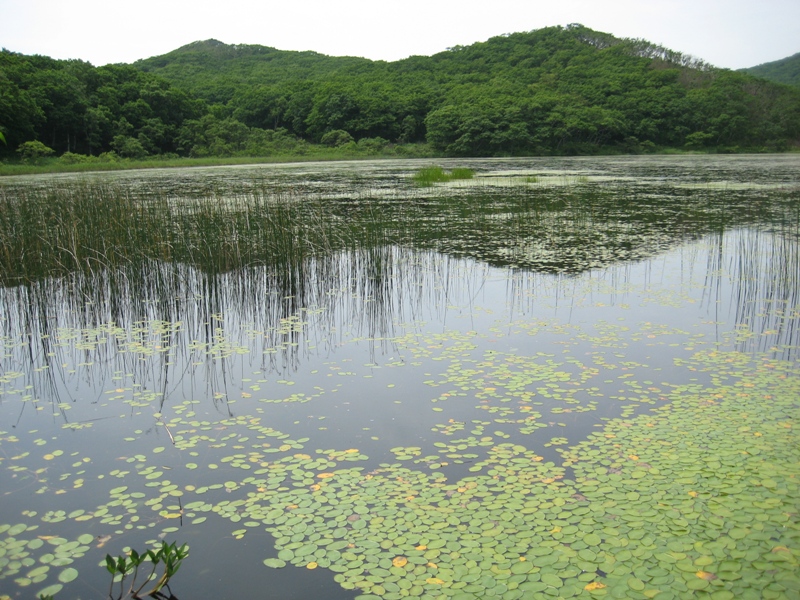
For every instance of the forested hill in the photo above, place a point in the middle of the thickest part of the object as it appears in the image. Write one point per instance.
(785, 70)
(552, 90)
(557, 90)
(215, 71)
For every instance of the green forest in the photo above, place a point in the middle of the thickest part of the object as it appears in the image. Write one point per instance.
(553, 91)
(785, 70)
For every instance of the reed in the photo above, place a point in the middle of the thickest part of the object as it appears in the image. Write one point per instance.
(427, 176)
(60, 230)
(124, 255)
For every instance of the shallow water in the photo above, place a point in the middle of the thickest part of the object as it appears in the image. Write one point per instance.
(466, 397)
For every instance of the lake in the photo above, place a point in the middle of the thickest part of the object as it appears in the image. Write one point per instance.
(561, 377)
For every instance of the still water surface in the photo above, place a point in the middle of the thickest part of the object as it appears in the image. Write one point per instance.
(460, 410)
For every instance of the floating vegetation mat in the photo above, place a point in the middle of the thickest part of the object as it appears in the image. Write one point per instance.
(699, 495)
(548, 394)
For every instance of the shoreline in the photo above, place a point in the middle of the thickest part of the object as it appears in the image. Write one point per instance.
(52, 166)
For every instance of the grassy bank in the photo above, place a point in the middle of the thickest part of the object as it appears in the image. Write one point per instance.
(314, 153)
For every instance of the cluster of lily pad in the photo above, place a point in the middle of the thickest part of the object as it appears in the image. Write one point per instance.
(688, 489)
(696, 497)
(670, 504)
(31, 558)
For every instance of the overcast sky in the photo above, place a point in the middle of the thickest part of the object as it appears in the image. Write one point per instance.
(725, 33)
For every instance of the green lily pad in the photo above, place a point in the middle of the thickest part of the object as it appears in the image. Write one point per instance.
(275, 563)
(67, 575)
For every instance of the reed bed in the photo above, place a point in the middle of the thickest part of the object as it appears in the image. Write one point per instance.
(117, 254)
(427, 176)
(58, 230)
(88, 228)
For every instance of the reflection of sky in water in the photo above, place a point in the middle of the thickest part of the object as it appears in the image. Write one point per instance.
(370, 367)
(338, 373)
(627, 310)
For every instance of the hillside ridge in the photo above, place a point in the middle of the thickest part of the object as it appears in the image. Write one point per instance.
(785, 70)
(555, 90)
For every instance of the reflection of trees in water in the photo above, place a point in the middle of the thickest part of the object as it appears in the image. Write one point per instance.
(577, 229)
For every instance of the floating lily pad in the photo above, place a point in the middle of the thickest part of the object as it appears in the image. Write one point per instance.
(275, 563)
(67, 575)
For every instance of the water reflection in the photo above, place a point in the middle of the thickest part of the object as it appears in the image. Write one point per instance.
(190, 330)
(385, 325)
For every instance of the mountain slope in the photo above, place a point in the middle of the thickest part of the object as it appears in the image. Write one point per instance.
(212, 69)
(558, 89)
(785, 70)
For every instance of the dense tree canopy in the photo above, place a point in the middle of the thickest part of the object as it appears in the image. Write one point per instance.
(786, 70)
(558, 90)
(72, 106)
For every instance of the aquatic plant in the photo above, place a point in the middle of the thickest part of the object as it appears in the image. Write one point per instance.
(60, 230)
(90, 228)
(120, 568)
(322, 373)
(427, 176)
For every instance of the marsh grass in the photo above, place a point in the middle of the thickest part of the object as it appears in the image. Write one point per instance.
(311, 153)
(427, 176)
(61, 229)
(88, 228)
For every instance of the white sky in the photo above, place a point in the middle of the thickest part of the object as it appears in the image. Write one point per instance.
(725, 33)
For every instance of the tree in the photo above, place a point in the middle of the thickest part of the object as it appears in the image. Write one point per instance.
(336, 138)
(128, 147)
(33, 150)
(211, 136)
(62, 98)
(19, 114)
(99, 129)
(565, 90)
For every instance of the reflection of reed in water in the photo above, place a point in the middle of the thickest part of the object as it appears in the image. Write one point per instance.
(754, 276)
(285, 264)
(176, 331)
